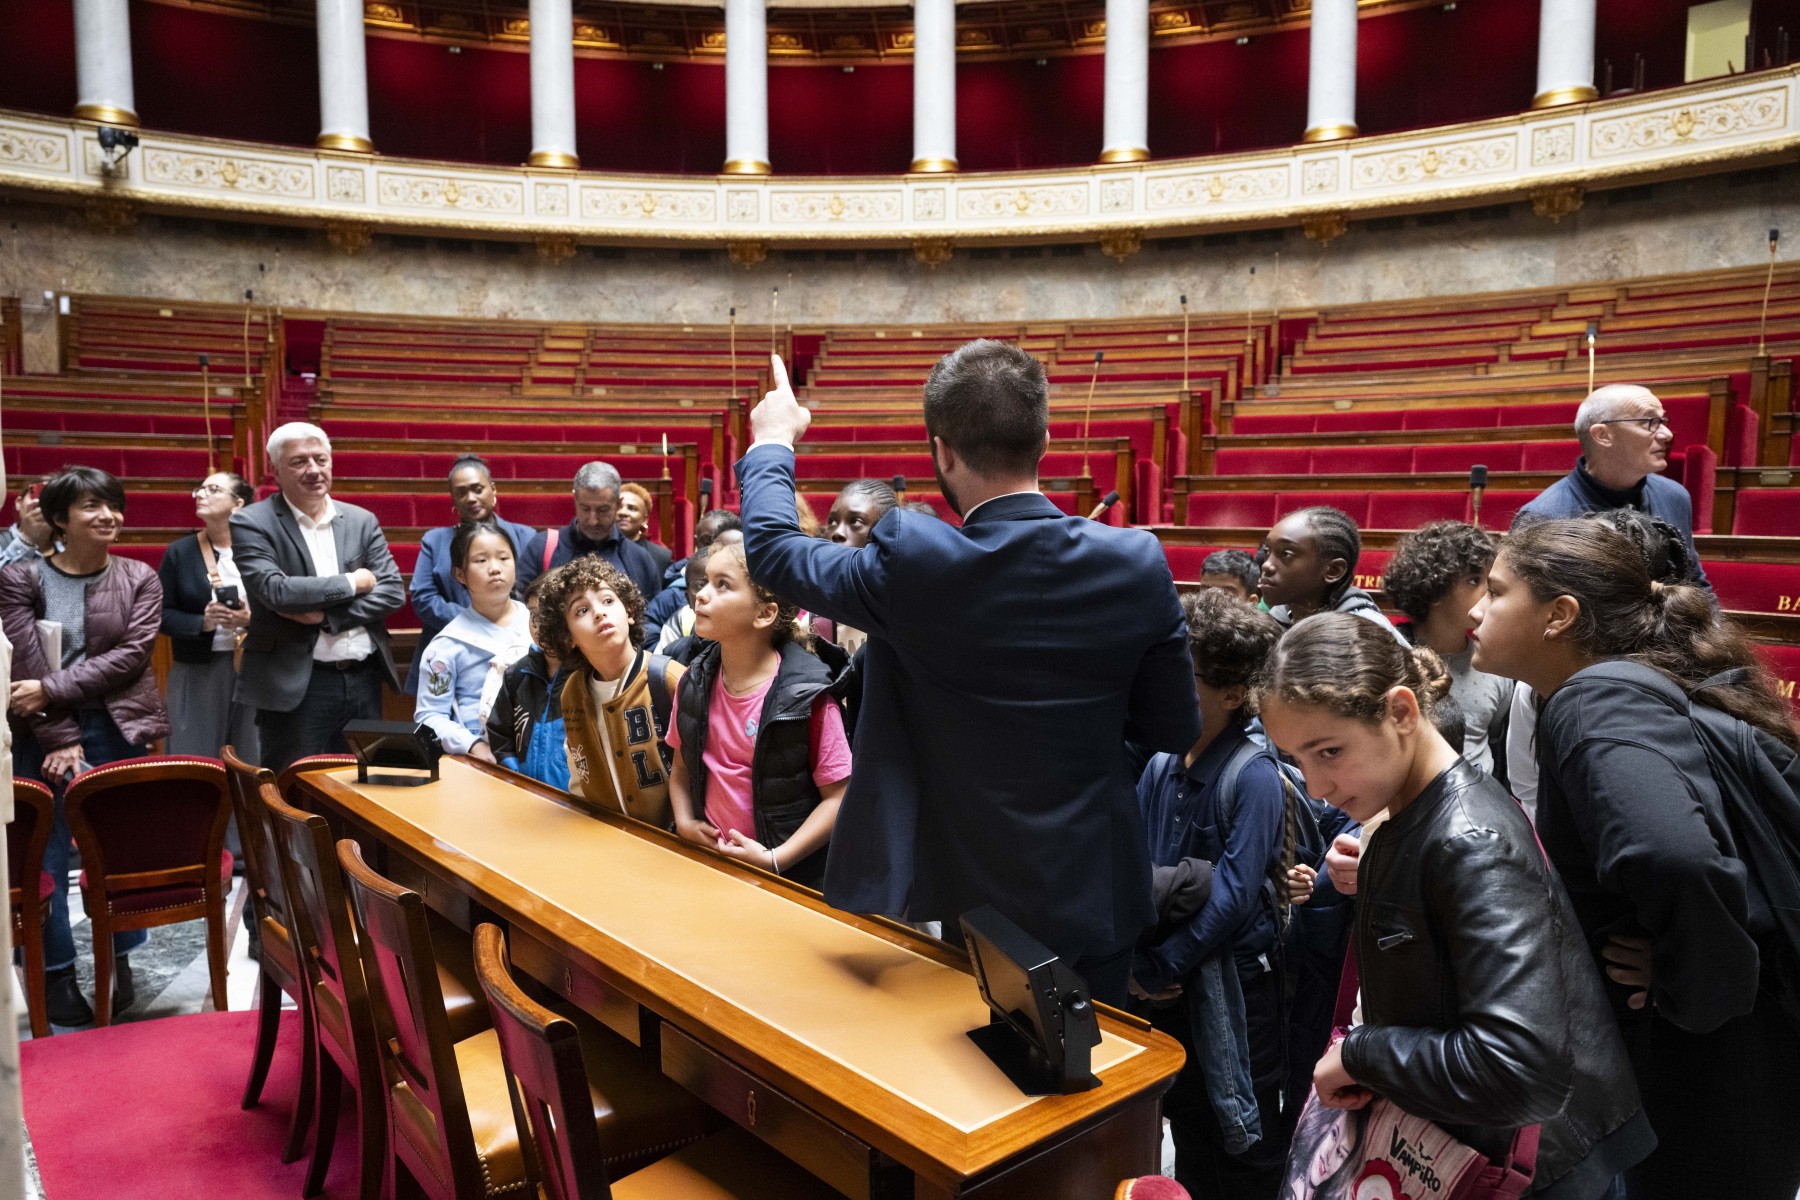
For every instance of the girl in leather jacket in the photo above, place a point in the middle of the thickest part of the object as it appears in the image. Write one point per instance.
(1633, 820)
(1482, 1010)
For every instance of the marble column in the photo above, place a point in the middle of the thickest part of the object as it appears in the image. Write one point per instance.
(552, 85)
(1127, 119)
(343, 78)
(103, 62)
(746, 88)
(934, 85)
(1565, 73)
(1331, 72)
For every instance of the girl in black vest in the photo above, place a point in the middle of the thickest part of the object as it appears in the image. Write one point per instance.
(761, 757)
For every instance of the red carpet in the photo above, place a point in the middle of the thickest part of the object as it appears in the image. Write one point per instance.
(149, 1111)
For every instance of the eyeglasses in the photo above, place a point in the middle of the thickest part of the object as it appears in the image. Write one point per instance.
(209, 489)
(1652, 424)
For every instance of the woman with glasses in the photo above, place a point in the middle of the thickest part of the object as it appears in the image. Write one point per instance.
(204, 613)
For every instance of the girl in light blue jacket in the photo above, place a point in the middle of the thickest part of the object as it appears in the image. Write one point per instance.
(464, 664)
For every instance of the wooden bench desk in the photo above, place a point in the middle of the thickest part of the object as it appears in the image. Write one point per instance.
(838, 1039)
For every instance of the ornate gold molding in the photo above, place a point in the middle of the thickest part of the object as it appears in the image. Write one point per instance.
(1125, 154)
(1121, 244)
(111, 214)
(934, 252)
(1557, 97)
(106, 114)
(1558, 201)
(555, 248)
(555, 159)
(1327, 133)
(344, 143)
(747, 253)
(932, 166)
(746, 166)
(1326, 228)
(352, 237)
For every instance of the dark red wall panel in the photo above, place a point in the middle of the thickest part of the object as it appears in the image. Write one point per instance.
(1215, 97)
(1429, 66)
(1013, 113)
(824, 121)
(632, 117)
(37, 55)
(205, 73)
(426, 102)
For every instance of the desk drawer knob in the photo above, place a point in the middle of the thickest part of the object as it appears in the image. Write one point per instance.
(750, 1107)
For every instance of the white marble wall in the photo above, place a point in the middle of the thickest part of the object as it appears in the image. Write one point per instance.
(1695, 225)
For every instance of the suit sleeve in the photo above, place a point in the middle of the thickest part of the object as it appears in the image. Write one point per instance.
(1165, 707)
(1508, 1060)
(849, 586)
(177, 621)
(389, 593)
(273, 587)
(428, 599)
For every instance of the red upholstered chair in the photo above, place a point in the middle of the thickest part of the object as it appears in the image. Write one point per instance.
(551, 512)
(1784, 664)
(1549, 456)
(151, 832)
(1766, 512)
(27, 834)
(1268, 424)
(1146, 492)
(1499, 508)
(1460, 457)
(1355, 504)
(1409, 510)
(450, 1122)
(277, 957)
(1512, 415)
(1263, 462)
(1700, 475)
(1447, 418)
(1231, 510)
(1756, 586)
(1741, 436)
(1185, 561)
(548, 1085)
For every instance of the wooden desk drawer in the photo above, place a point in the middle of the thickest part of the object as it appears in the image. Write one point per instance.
(440, 896)
(840, 1160)
(595, 997)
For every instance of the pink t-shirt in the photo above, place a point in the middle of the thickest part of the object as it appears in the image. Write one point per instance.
(731, 723)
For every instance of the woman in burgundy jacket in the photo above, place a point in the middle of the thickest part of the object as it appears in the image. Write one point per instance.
(98, 703)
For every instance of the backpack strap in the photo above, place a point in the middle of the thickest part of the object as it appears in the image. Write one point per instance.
(550, 539)
(1228, 781)
(661, 701)
(1737, 675)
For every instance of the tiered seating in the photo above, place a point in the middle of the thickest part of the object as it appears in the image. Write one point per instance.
(110, 334)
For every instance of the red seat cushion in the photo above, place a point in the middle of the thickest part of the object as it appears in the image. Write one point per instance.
(1265, 424)
(1460, 457)
(1550, 456)
(1756, 587)
(1409, 510)
(150, 899)
(1767, 512)
(46, 885)
(1355, 504)
(1499, 508)
(1364, 460)
(1185, 561)
(1784, 663)
(1231, 510)
(1263, 462)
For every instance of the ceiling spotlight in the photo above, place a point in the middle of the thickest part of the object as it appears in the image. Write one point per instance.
(115, 144)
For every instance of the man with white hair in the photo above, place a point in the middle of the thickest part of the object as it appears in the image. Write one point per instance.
(595, 530)
(1625, 439)
(320, 582)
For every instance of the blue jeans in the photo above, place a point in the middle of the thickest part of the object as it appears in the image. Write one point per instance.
(101, 743)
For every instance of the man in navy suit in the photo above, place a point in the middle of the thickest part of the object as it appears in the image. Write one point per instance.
(1007, 663)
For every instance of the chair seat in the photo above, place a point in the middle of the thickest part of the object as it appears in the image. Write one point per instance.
(734, 1165)
(46, 885)
(639, 1112)
(150, 899)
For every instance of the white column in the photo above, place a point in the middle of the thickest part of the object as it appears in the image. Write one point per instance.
(934, 85)
(103, 62)
(1126, 128)
(343, 78)
(552, 85)
(1331, 72)
(746, 88)
(1565, 53)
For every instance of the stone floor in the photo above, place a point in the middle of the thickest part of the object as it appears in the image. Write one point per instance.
(171, 975)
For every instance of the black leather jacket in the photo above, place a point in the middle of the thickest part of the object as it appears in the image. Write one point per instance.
(1482, 1008)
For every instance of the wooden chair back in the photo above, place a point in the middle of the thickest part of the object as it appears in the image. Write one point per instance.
(411, 1030)
(323, 936)
(27, 837)
(285, 783)
(552, 1105)
(153, 822)
(261, 872)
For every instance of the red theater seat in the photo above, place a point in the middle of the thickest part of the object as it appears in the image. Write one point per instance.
(1756, 587)
(1371, 569)
(1784, 663)
(392, 510)
(1447, 418)
(1185, 561)
(1231, 510)
(1409, 510)
(1355, 504)
(1499, 508)
(1270, 424)
(1263, 462)
(1439, 459)
(406, 556)
(160, 510)
(1550, 456)
(1767, 512)
(545, 512)
(1364, 460)
(1537, 414)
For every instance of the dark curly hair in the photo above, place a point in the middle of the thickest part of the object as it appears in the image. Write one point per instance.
(1229, 640)
(586, 574)
(1429, 561)
(787, 613)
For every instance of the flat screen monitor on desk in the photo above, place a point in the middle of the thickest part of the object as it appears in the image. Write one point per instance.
(1043, 1028)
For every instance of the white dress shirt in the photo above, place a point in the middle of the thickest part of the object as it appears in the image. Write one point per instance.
(354, 644)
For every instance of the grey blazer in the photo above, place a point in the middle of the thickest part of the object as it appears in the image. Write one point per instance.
(270, 552)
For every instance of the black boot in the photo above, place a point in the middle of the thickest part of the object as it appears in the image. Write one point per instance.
(63, 1002)
(124, 987)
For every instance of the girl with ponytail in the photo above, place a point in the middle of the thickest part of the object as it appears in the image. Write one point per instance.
(1631, 817)
(1482, 1010)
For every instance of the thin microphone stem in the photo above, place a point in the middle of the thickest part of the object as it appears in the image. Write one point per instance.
(1590, 341)
(734, 354)
(1184, 348)
(212, 453)
(1762, 327)
(1087, 420)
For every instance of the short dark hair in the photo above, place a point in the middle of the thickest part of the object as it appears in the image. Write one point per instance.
(1228, 639)
(465, 536)
(1239, 564)
(70, 486)
(589, 573)
(990, 402)
(708, 528)
(470, 460)
(1428, 562)
(882, 496)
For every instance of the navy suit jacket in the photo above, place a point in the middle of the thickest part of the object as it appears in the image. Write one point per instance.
(1007, 663)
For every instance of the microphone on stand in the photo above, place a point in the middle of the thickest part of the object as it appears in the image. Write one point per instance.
(1477, 485)
(1106, 502)
(899, 485)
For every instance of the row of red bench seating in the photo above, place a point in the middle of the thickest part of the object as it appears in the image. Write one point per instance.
(1398, 460)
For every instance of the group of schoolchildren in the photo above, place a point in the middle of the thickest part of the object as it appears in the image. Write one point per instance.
(1604, 968)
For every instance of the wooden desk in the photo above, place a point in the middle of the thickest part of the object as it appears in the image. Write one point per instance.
(837, 1039)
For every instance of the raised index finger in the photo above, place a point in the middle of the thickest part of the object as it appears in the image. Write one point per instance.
(778, 369)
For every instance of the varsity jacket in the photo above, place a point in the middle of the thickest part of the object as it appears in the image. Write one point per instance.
(633, 777)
